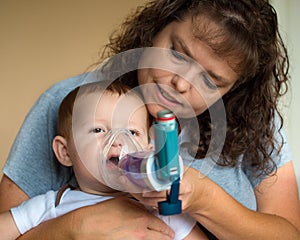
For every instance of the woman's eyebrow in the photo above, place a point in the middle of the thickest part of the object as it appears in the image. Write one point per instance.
(223, 82)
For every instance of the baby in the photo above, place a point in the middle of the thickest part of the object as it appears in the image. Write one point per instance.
(94, 122)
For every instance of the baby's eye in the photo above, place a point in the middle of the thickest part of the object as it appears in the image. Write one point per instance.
(98, 130)
(133, 132)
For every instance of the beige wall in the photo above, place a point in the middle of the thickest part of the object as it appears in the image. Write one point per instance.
(43, 42)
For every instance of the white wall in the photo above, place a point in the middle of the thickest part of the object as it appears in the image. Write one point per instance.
(289, 19)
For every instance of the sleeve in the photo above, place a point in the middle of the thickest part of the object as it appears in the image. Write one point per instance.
(282, 153)
(43, 207)
(182, 224)
(285, 154)
(34, 211)
(31, 163)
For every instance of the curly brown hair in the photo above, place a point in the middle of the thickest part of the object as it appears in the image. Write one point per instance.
(247, 37)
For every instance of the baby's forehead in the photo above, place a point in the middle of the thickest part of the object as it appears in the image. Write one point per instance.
(111, 104)
(129, 97)
(119, 100)
(129, 102)
(101, 89)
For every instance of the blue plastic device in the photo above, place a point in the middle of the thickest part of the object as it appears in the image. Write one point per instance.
(167, 162)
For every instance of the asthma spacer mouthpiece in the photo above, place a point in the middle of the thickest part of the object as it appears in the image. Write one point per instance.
(140, 169)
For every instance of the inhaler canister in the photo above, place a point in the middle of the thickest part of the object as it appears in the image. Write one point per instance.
(166, 146)
(166, 119)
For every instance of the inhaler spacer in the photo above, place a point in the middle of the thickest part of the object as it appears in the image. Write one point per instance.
(152, 170)
(122, 155)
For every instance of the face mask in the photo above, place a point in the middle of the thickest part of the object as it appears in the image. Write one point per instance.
(117, 144)
(122, 155)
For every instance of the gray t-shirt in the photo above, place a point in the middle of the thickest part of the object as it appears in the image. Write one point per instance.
(33, 167)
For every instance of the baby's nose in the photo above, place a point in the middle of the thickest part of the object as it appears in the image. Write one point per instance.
(118, 143)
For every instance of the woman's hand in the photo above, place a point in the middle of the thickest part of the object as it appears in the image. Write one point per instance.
(118, 218)
(188, 192)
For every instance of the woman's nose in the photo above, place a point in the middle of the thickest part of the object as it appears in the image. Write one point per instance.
(180, 84)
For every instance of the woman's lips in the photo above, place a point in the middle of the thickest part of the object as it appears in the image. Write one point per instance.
(166, 98)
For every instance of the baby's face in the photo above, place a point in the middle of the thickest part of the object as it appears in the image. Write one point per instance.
(93, 118)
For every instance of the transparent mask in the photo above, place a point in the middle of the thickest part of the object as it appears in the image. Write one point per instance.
(122, 155)
(117, 144)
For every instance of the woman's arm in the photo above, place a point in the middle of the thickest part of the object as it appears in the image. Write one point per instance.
(10, 194)
(118, 218)
(278, 195)
(278, 215)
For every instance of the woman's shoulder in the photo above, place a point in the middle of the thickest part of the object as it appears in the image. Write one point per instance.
(52, 97)
(65, 86)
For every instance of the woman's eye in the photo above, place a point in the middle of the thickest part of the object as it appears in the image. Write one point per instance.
(208, 82)
(178, 55)
(98, 130)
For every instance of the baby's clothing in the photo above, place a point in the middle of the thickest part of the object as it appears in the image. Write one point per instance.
(45, 206)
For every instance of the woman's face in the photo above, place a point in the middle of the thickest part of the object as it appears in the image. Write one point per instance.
(191, 80)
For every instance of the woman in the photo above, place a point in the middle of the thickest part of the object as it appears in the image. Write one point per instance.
(245, 195)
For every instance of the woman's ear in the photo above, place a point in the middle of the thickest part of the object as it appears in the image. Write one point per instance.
(60, 148)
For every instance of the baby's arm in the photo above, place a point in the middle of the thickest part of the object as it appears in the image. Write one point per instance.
(8, 228)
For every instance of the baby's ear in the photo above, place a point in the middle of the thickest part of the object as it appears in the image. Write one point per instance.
(60, 148)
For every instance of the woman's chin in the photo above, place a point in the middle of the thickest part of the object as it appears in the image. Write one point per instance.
(154, 108)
